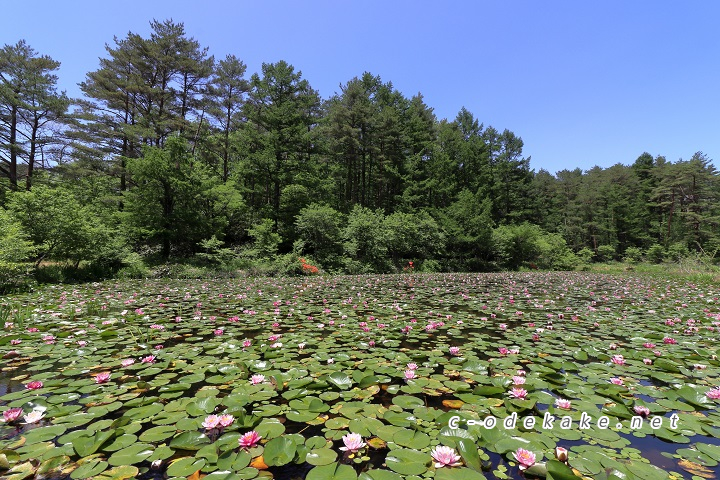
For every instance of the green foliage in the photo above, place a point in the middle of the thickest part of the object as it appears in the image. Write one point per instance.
(585, 255)
(412, 237)
(213, 252)
(266, 240)
(527, 245)
(61, 228)
(655, 253)
(605, 253)
(319, 233)
(169, 205)
(366, 242)
(677, 251)
(632, 255)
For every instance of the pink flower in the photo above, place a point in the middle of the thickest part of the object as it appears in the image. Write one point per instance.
(526, 458)
(520, 393)
(518, 380)
(353, 442)
(713, 394)
(249, 439)
(371, 343)
(454, 351)
(102, 377)
(503, 326)
(255, 379)
(616, 381)
(445, 457)
(12, 414)
(563, 403)
(618, 360)
(412, 366)
(410, 374)
(226, 420)
(148, 359)
(218, 331)
(33, 417)
(648, 345)
(561, 454)
(503, 351)
(15, 341)
(669, 340)
(647, 361)
(247, 343)
(127, 362)
(211, 421)
(642, 411)
(34, 385)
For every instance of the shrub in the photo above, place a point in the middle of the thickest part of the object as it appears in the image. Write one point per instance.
(677, 251)
(632, 255)
(655, 253)
(605, 253)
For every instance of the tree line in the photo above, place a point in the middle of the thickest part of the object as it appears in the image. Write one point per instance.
(172, 153)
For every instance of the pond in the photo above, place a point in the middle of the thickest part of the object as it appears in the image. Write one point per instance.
(371, 377)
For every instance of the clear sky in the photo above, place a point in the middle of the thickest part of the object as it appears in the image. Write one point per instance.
(584, 83)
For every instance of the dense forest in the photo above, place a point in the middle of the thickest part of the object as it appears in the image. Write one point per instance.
(174, 155)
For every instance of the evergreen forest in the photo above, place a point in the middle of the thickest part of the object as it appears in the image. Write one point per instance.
(177, 162)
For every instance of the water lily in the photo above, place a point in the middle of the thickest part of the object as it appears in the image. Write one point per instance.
(563, 403)
(520, 393)
(616, 381)
(102, 377)
(211, 421)
(410, 374)
(526, 458)
(353, 442)
(518, 380)
(641, 410)
(126, 362)
(255, 379)
(561, 454)
(713, 394)
(34, 385)
(12, 414)
(454, 351)
(618, 360)
(249, 439)
(34, 416)
(445, 457)
(148, 359)
(412, 366)
(226, 420)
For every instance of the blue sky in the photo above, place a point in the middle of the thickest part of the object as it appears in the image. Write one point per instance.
(583, 83)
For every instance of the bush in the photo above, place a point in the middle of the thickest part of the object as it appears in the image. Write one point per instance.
(655, 253)
(585, 255)
(632, 255)
(677, 251)
(605, 253)
(266, 239)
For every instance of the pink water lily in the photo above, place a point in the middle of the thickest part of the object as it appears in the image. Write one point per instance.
(410, 374)
(255, 379)
(211, 421)
(526, 458)
(713, 394)
(520, 393)
(34, 385)
(226, 420)
(148, 359)
(249, 439)
(353, 442)
(102, 377)
(563, 403)
(445, 457)
(12, 414)
(127, 362)
(641, 410)
(454, 351)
